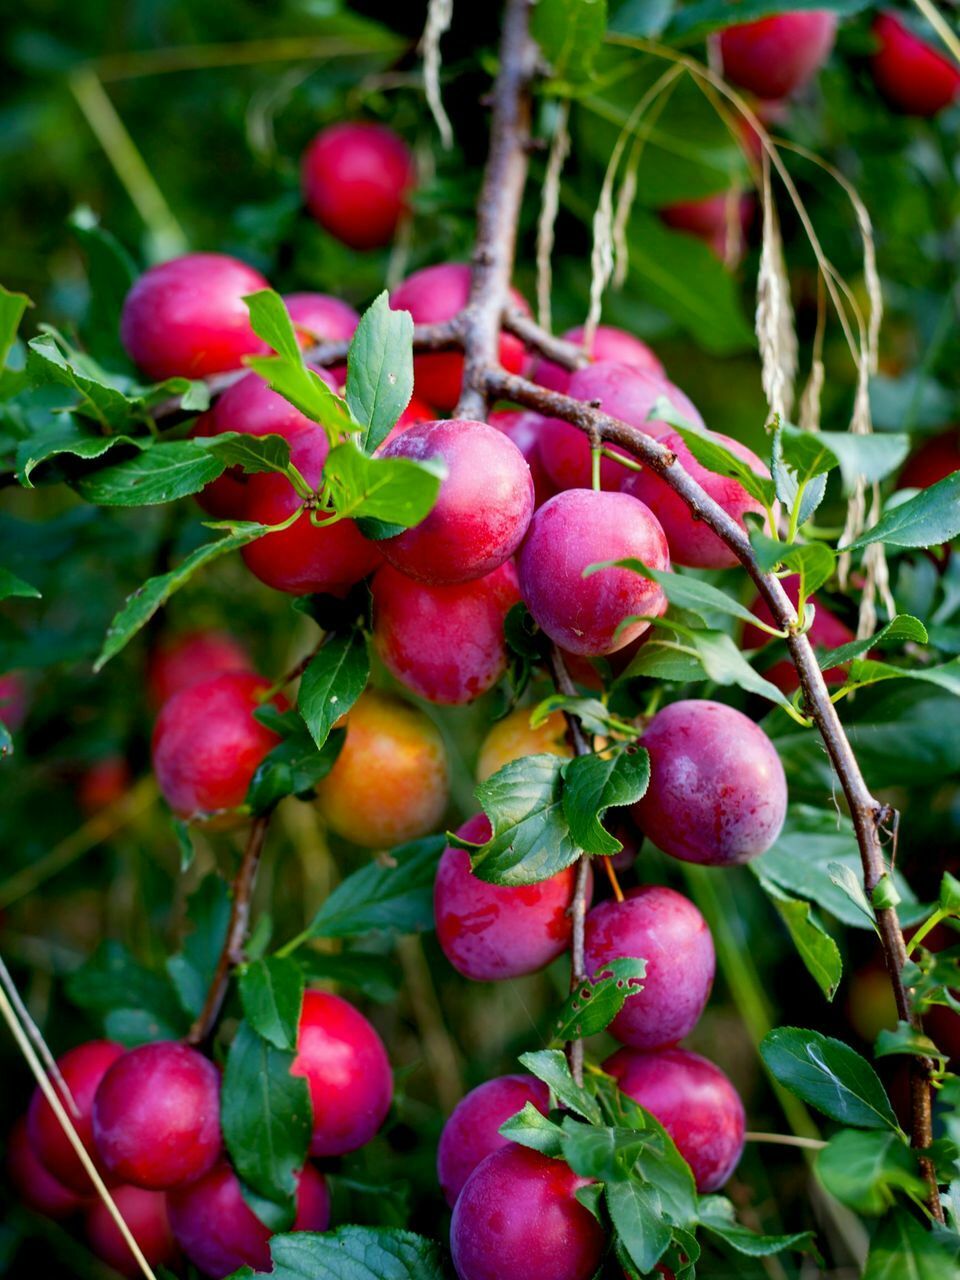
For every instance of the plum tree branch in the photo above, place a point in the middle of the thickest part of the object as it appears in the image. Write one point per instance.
(231, 953)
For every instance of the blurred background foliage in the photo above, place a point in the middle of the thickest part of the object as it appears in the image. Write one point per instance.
(180, 125)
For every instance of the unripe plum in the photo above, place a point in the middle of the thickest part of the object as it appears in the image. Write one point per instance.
(346, 1068)
(664, 928)
(512, 737)
(304, 558)
(319, 317)
(518, 1218)
(436, 294)
(621, 391)
(473, 1130)
(523, 428)
(446, 644)
(609, 344)
(34, 1184)
(778, 55)
(187, 317)
(579, 528)
(104, 783)
(391, 781)
(720, 221)
(219, 1232)
(207, 744)
(493, 931)
(145, 1213)
(82, 1070)
(912, 75)
(190, 657)
(935, 459)
(14, 700)
(826, 631)
(356, 180)
(717, 792)
(156, 1116)
(251, 408)
(691, 541)
(482, 510)
(693, 1100)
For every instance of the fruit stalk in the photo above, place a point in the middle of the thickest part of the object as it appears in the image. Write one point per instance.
(232, 952)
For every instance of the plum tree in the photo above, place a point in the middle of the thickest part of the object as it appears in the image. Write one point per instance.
(435, 294)
(472, 1130)
(250, 408)
(145, 1213)
(187, 317)
(518, 1216)
(390, 782)
(82, 1069)
(572, 531)
(356, 181)
(156, 1116)
(623, 391)
(207, 744)
(693, 1100)
(717, 792)
(690, 541)
(189, 657)
(826, 631)
(36, 1186)
(665, 929)
(445, 644)
(609, 345)
(482, 510)
(493, 931)
(776, 56)
(512, 737)
(303, 558)
(913, 76)
(219, 1232)
(346, 1068)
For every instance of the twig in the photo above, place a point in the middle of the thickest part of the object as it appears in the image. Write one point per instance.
(567, 354)
(232, 953)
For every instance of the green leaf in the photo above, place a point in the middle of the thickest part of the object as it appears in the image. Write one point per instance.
(902, 627)
(64, 433)
(635, 1212)
(904, 1040)
(12, 308)
(928, 519)
(550, 1066)
(829, 1075)
(531, 838)
(603, 1152)
(380, 370)
(868, 671)
(161, 474)
(596, 1001)
(351, 1253)
(570, 34)
(814, 561)
(949, 897)
(11, 585)
(394, 895)
(595, 783)
(100, 398)
(816, 948)
(112, 981)
(266, 1117)
(724, 663)
(332, 683)
(871, 457)
(531, 1128)
(684, 591)
(713, 455)
(717, 1215)
(811, 842)
(148, 598)
(376, 976)
(271, 992)
(252, 453)
(111, 273)
(293, 767)
(191, 970)
(394, 490)
(904, 1249)
(863, 1169)
(591, 713)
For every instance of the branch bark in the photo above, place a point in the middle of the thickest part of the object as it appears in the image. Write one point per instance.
(232, 952)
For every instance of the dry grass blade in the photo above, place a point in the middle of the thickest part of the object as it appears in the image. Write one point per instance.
(439, 17)
(776, 334)
(549, 205)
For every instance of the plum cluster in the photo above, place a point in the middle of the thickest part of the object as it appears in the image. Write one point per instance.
(149, 1118)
